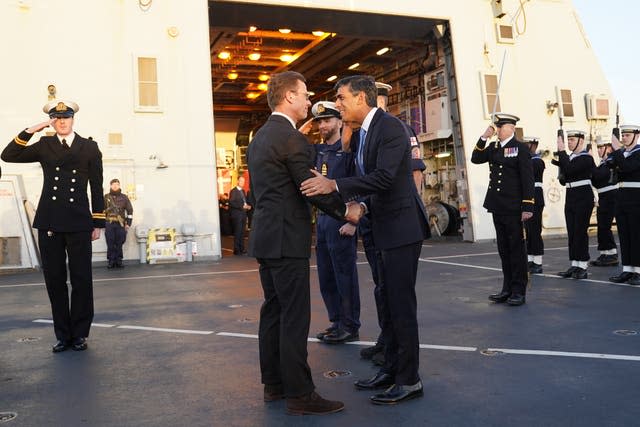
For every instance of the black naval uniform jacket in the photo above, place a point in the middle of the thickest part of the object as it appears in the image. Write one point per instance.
(64, 204)
(511, 185)
(628, 203)
(538, 172)
(577, 169)
(628, 169)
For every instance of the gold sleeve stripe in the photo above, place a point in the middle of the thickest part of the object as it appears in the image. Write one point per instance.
(20, 141)
(529, 201)
(99, 215)
(480, 149)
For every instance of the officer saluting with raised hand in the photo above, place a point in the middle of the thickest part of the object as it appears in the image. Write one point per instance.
(65, 222)
(626, 161)
(606, 184)
(510, 199)
(578, 205)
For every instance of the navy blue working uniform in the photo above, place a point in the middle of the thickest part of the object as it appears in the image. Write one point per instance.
(336, 254)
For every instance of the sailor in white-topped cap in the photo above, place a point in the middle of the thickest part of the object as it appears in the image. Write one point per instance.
(67, 218)
(60, 109)
(625, 161)
(576, 168)
(535, 245)
(510, 200)
(604, 180)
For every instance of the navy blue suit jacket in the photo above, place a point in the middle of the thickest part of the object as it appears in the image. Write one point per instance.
(398, 217)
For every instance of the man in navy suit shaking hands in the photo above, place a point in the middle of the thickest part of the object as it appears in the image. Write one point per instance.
(399, 225)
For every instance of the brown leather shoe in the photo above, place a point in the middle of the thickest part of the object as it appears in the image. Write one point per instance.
(273, 392)
(312, 404)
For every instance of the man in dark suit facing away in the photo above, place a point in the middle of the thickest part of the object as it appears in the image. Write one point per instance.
(399, 225)
(279, 159)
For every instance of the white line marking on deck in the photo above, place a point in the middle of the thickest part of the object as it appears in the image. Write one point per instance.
(368, 343)
(177, 331)
(568, 354)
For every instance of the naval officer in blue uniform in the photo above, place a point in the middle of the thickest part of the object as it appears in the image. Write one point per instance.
(336, 239)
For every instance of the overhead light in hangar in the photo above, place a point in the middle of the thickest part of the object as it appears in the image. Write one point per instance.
(253, 29)
(332, 78)
(252, 95)
(442, 154)
(354, 66)
(254, 56)
(284, 30)
(232, 75)
(263, 77)
(382, 51)
(286, 57)
(224, 55)
(318, 33)
(311, 93)
(262, 86)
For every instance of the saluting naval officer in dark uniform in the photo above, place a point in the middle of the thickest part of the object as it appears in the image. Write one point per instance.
(606, 184)
(336, 239)
(65, 221)
(510, 199)
(626, 161)
(533, 227)
(578, 206)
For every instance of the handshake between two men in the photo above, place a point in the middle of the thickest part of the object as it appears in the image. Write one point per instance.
(318, 185)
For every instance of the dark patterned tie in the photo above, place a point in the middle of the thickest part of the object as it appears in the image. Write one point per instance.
(64, 144)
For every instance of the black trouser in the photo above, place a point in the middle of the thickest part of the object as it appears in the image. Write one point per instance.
(398, 268)
(364, 229)
(629, 234)
(605, 214)
(284, 324)
(238, 223)
(535, 245)
(577, 212)
(115, 235)
(69, 320)
(511, 247)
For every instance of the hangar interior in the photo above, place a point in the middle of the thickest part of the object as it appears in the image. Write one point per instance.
(249, 42)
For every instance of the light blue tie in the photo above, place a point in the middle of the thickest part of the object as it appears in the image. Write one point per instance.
(360, 158)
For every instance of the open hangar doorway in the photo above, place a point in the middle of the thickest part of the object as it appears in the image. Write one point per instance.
(249, 42)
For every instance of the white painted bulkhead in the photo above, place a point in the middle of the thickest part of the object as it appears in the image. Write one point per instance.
(88, 50)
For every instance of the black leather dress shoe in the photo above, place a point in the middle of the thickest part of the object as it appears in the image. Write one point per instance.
(381, 380)
(579, 273)
(79, 344)
(339, 336)
(397, 393)
(605, 261)
(327, 331)
(568, 272)
(535, 268)
(516, 299)
(60, 346)
(501, 297)
(622, 277)
(635, 280)
(369, 352)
